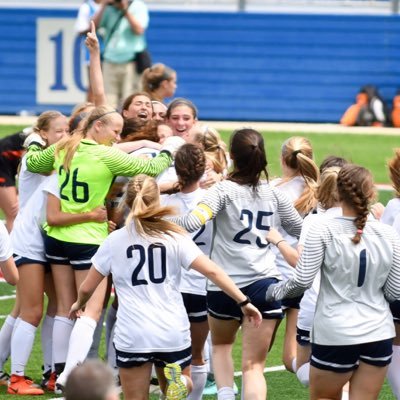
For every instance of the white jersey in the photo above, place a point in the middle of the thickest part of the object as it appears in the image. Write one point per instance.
(392, 210)
(146, 274)
(293, 190)
(357, 281)
(27, 232)
(28, 182)
(192, 281)
(6, 250)
(243, 217)
(168, 175)
(307, 304)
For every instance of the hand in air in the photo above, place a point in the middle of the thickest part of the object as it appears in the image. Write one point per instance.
(91, 42)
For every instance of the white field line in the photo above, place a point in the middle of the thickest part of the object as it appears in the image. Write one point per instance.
(11, 296)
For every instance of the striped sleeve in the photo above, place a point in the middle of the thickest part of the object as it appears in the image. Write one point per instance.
(307, 267)
(214, 201)
(291, 220)
(39, 160)
(392, 286)
(122, 164)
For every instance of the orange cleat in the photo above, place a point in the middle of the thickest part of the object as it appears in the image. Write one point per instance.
(51, 383)
(21, 386)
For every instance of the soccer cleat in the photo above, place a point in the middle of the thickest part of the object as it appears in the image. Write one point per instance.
(176, 389)
(4, 378)
(51, 382)
(21, 386)
(59, 389)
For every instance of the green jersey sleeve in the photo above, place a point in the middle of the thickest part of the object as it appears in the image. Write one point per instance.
(122, 164)
(39, 160)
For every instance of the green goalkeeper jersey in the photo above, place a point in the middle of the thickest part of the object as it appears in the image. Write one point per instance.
(86, 184)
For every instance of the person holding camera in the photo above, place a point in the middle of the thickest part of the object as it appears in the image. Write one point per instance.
(124, 23)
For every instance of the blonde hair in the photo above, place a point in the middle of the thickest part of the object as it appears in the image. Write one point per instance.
(70, 144)
(142, 197)
(394, 171)
(44, 120)
(327, 193)
(214, 147)
(297, 155)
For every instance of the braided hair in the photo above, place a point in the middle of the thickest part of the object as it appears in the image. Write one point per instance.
(356, 189)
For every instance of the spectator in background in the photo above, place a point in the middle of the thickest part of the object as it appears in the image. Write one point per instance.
(124, 23)
(159, 81)
(92, 380)
(82, 26)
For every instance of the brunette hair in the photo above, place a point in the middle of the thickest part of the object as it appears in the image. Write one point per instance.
(44, 120)
(249, 158)
(153, 76)
(332, 161)
(394, 172)
(180, 101)
(136, 129)
(356, 189)
(128, 101)
(190, 164)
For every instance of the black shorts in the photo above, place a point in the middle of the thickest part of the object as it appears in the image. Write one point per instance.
(303, 337)
(347, 358)
(292, 303)
(221, 306)
(19, 260)
(196, 307)
(79, 256)
(395, 309)
(8, 172)
(159, 359)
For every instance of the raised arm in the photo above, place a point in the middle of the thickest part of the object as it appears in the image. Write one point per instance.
(95, 72)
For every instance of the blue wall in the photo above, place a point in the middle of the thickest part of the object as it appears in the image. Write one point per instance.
(238, 66)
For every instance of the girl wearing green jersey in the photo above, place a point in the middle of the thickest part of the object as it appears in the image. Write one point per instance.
(86, 165)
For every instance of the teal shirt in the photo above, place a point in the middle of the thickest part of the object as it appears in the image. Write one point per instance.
(124, 43)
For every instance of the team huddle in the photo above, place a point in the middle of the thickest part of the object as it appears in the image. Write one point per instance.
(197, 242)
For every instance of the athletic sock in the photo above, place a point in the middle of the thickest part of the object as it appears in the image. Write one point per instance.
(393, 375)
(79, 345)
(47, 341)
(112, 356)
(21, 347)
(110, 322)
(226, 393)
(199, 378)
(294, 367)
(5, 340)
(61, 333)
(94, 348)
(345, 395)
(303, 374)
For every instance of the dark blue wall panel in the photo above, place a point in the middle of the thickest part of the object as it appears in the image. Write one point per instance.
(238, 66)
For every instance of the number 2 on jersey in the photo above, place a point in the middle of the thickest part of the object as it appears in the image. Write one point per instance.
(259, 225)
(80, 190)
(150, 261)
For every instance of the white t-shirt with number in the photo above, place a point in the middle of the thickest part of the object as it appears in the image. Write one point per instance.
(146, 274)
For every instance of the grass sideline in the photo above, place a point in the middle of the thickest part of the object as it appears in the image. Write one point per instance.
(355, 147)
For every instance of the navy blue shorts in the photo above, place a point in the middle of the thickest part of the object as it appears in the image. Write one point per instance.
(19, 260)
(159, 359)
(347, 358)
(292, 303)
(77, 255)
(395, 309)
(303, 337)
(221, 306)
(196, 307)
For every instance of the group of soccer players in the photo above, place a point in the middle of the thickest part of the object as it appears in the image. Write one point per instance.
(91, 216)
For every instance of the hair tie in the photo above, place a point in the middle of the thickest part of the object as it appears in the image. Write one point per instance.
(294, 154)
(359, 231)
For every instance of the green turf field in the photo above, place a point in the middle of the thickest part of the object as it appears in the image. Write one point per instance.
(371, 151)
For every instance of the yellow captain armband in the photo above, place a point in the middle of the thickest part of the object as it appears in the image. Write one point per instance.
(203, 213)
